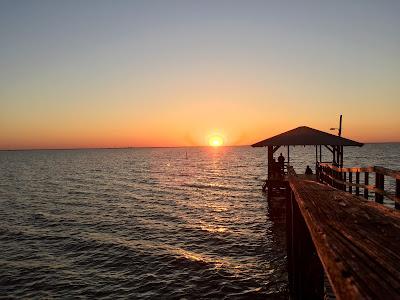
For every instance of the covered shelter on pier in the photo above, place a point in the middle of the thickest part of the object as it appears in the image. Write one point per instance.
(306, 136)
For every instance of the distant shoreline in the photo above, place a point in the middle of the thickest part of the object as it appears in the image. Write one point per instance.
(145, 147)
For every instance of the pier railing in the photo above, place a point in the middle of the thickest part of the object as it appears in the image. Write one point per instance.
(353, 179)
(331, 234)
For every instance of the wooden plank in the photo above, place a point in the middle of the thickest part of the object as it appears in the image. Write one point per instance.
(387, 172)
(358, 242)
(366, 182)
(290, 241)
(357, 183)
(306, 274)
(397, 205)
(350, 181)
(270, 156)
(341, 156)
(379, 184)
(320, 153)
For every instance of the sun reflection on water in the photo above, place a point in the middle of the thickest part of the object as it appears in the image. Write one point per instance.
(213, 228)
(217, 263)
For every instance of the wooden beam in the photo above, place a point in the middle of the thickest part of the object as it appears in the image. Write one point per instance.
(341, 156)
(320, 153)
(338, 155)
(387, 172)
(270, 155)
(316, 155)
(334, 155)
(356, 241)
(366, 183)
(327, 147)
(275, 148)
(357, 182)
(306, 274)
(351, 181)
(397, 205)
(379, 184)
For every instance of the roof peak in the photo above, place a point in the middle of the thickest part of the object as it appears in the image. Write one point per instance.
(304, 135)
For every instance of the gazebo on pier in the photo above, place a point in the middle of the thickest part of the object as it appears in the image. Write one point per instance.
(306, 136)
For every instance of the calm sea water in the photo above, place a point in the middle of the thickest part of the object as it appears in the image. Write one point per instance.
(146, 223)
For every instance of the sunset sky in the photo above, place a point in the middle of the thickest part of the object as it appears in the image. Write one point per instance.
(174, 73)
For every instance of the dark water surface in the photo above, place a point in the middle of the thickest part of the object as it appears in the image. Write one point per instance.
(146, 223)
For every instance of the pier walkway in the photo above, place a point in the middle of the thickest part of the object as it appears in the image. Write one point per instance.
(356, 243)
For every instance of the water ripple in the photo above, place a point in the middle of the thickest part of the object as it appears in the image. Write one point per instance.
(145, 223)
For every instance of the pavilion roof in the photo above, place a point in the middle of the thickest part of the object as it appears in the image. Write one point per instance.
(304, 135)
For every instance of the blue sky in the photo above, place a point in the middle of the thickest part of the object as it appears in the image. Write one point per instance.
(156, 72)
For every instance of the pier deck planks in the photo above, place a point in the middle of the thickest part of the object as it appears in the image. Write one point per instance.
(358, 242)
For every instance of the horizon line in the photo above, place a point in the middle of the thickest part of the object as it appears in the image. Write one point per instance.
(146, 147)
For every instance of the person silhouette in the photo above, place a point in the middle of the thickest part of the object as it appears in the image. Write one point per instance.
(308, 171)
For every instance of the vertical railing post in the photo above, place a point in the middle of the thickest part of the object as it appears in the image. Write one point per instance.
(357, 182)
(396, 204)
(306, 273)
(326, 179)
(321, 174)
(343, 178)
(351, 181)
(336, 177)
(326, 173)
(290, 240)
(379, 184)
(366, 182)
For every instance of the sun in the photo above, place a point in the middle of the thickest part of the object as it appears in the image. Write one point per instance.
(216, 141)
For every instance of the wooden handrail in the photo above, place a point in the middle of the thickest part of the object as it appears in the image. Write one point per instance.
(368, 187)
(336, 177)
(375, 169)
(387, 172)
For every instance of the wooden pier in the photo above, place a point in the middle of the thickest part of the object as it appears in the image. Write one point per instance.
(336, 238)
(355, 242)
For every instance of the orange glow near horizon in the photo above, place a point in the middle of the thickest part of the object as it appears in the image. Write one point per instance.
(143, 133)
